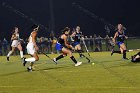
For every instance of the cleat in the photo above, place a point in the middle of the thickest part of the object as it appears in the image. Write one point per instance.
(78, 64)
(24, 62)
(54, 60)
(7, 58)
(29, 69)
(133, 59)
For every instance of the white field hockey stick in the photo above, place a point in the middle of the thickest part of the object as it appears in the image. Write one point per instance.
(85, 46)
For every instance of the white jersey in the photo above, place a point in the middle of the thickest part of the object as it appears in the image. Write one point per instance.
(30, 46)
(16, 42)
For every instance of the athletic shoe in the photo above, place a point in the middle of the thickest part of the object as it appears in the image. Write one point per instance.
(29, 69)
(24, 62)
(7, 58)
(132, 58)
(54, 60)
(78, 64)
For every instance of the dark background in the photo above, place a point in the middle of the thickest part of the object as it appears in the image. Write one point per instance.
(65, 14)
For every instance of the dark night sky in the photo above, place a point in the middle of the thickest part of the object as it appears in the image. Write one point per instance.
(113, 11)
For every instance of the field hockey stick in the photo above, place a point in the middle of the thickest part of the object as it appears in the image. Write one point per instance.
(112, 46)
(112, 43)
(85, 46)
(50, 58)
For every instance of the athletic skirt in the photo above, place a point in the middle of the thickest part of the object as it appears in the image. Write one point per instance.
(58, 46)
(30, 48)
(15, 43)
(75, 44)
(119, 44)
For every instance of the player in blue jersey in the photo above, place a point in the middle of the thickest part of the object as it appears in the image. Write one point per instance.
(63, 46)
(76, 35)
(118, 39)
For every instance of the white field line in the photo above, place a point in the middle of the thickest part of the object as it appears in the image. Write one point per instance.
(84, 87)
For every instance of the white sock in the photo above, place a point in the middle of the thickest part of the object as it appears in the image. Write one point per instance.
(21, 54)
(30, 59)
(9, 53)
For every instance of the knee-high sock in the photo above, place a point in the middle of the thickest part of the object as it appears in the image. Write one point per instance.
(32, 59)
(21, 54)
(9, 53)
(59, 57)
(73, 59)
(124, 54)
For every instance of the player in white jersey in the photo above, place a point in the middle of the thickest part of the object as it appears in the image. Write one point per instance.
(32, 49)
(15, 43)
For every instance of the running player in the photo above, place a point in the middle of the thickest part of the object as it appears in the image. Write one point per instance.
(64, 47)
(15, 43)
(118, 39)
(76, 35)
(32, 48)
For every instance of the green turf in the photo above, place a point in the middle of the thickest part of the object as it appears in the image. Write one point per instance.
(108, 75)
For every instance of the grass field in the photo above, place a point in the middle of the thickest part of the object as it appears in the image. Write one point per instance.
(107, 75)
